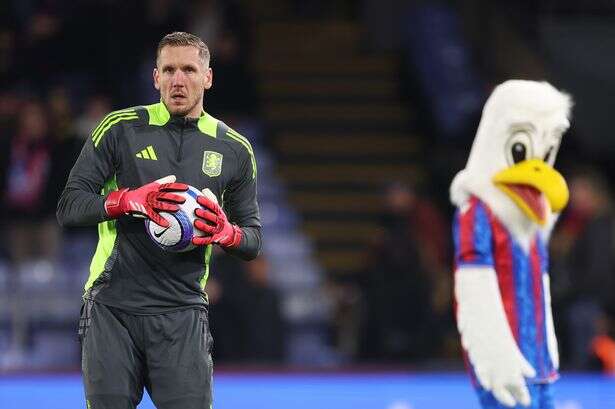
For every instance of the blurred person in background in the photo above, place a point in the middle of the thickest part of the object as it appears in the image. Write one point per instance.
(25, 186)
(39, 44)
(60, 113)
(7, 52)
(96, 107)
(406, 285)
(226, 320)
(584, 246)
(246, 317)
(66, 143)
(261, 302)
(28, 188)
(603, 343)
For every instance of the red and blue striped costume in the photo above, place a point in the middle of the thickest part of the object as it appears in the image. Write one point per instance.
(482, 240)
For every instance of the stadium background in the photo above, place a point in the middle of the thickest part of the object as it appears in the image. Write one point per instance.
(360, 113)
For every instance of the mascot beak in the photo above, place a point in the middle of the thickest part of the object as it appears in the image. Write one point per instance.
(529, 183)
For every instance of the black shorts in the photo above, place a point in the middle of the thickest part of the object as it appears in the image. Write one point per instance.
(169, 354)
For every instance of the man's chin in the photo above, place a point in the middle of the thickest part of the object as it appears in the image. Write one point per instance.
(181, 109)
(178, 110)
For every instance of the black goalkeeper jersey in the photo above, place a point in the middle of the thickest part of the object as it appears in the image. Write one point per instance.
(135, 146)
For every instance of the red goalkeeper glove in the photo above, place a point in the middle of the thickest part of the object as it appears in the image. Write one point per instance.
(212, 220)
(147, 200)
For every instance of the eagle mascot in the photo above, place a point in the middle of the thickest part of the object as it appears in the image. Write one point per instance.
(508, 198)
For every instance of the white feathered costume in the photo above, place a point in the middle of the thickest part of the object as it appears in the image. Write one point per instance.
(507, 199)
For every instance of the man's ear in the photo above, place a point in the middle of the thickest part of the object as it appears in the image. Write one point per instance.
(209, 78)
(156, 77)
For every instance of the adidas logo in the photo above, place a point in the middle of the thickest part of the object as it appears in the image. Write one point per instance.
(147, 153)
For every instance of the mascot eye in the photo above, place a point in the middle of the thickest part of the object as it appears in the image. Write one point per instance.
(518, 147)
(518, 152)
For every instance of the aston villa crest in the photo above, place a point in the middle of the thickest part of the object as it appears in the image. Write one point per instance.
(212, 163)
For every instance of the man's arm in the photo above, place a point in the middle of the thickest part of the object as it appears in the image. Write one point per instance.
(241, 205)
(250, 246)
(82, 202)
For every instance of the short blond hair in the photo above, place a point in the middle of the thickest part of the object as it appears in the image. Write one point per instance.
(183, 39)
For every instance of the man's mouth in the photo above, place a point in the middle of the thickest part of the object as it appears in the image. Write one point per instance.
(178, 97)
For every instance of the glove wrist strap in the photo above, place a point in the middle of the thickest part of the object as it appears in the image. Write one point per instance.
(237, 235)
(113, 203)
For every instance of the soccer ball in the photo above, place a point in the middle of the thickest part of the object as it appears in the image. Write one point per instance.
(178, 236)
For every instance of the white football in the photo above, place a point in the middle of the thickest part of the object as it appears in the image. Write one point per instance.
(178, 236)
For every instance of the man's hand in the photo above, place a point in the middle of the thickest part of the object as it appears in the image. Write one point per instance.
(212, 220)
(147, 200)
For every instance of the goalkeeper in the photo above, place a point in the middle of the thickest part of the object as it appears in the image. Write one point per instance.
(144, 321)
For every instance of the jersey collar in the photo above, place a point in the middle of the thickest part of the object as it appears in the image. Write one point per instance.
(159, 115)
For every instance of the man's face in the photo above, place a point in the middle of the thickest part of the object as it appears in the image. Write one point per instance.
(181, 77)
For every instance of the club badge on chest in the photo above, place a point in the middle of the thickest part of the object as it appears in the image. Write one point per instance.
(212, 163)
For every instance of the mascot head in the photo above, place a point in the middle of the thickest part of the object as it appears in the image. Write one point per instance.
(510, 166)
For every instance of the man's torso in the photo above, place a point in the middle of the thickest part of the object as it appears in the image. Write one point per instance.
(132, 272)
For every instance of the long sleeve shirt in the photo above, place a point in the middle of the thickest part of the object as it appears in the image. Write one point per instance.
(135, 146)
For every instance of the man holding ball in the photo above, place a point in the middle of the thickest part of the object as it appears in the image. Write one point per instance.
(144, 320)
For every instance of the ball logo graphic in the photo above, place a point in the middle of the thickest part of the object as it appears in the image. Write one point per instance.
(178, 236)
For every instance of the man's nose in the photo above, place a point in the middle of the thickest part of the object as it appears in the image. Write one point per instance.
(178, 78)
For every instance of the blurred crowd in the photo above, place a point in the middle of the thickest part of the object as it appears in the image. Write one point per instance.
(407, 281)
(583, 273)
(91, 50)
(64, 65)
